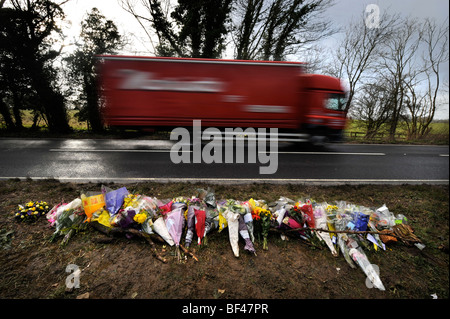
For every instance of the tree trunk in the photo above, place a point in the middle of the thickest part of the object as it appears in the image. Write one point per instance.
(4, 110)
(16, 111)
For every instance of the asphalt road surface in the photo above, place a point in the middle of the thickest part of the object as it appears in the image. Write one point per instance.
(103, 160)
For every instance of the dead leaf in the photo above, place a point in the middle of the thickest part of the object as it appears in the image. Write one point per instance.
(83, 296)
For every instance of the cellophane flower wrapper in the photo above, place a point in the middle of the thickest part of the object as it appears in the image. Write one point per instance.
(320, 216)
(102, 216)
(279, 203)
(222, 221)
(246, 215)
(190, 221)
(147, 205)
(383, 218)
(92, 202)
(248, 219)
(345, 242)
(114, 198)
(53, 214)
(291, 223)
(265, 221)
(175, 223)
(159, 227)
(211, 221)
(243, 231)
(308, 214)
(233, 230)
(165, 208)
(200, 216)
(331, 211)
(68, 219)
(208, 197)
(360, 220)
(56, 211)
(279, 215)
(124, 218)
(361, 259)
(147, 226)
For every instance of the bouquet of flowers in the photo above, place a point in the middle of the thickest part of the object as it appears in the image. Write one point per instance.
(360, 258)
(31, 211)
(91, 203)
(69, 221)
(265, 216)
(200, 216)
(164, 209)
(102, 216)
(222, 221)
(243, 231)
(248, 219)
(124, 218)
(208, 197)
(321, 223)
(175, 223)
(159, 227)
(114, 198)
(331, 211)
(308, 213)
(233, 230)
(57, 210)
(211, 222)
(190, 221)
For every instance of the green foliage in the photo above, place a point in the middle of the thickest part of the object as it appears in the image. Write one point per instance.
(199, 30)
(28, 33)
(98, 36)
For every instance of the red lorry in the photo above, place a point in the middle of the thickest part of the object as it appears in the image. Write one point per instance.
(164, 93)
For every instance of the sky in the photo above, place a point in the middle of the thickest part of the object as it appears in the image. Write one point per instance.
(340, 14)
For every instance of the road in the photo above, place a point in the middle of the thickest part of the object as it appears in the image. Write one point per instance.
(103, 160)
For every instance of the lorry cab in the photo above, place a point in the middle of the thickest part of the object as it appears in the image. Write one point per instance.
(324, 100)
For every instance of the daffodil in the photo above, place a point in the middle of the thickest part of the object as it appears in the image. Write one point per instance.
(140, 218)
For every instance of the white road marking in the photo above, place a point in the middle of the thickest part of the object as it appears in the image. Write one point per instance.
(219, 180)
(190, 151)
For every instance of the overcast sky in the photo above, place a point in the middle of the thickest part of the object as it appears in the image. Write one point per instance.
(341, 13)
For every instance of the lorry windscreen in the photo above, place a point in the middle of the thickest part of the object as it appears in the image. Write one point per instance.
(335, 102)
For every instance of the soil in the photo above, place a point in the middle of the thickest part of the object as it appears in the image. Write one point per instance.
(123, 268)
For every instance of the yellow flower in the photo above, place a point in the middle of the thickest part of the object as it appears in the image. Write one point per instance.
(140, 218)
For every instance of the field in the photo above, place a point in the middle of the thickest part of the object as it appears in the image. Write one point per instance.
(354, 132)
(124, 268)
(439, 134)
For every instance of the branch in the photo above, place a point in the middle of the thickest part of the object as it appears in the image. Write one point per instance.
(119, 231)
(401, 231)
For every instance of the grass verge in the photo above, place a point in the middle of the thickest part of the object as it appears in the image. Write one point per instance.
(124, 268)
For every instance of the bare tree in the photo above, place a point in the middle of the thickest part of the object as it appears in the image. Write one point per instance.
(400, 66)
(272, 30)
(373, 107)
(435, 38)
(360, 50)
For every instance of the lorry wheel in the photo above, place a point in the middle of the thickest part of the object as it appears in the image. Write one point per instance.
(318, 141)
